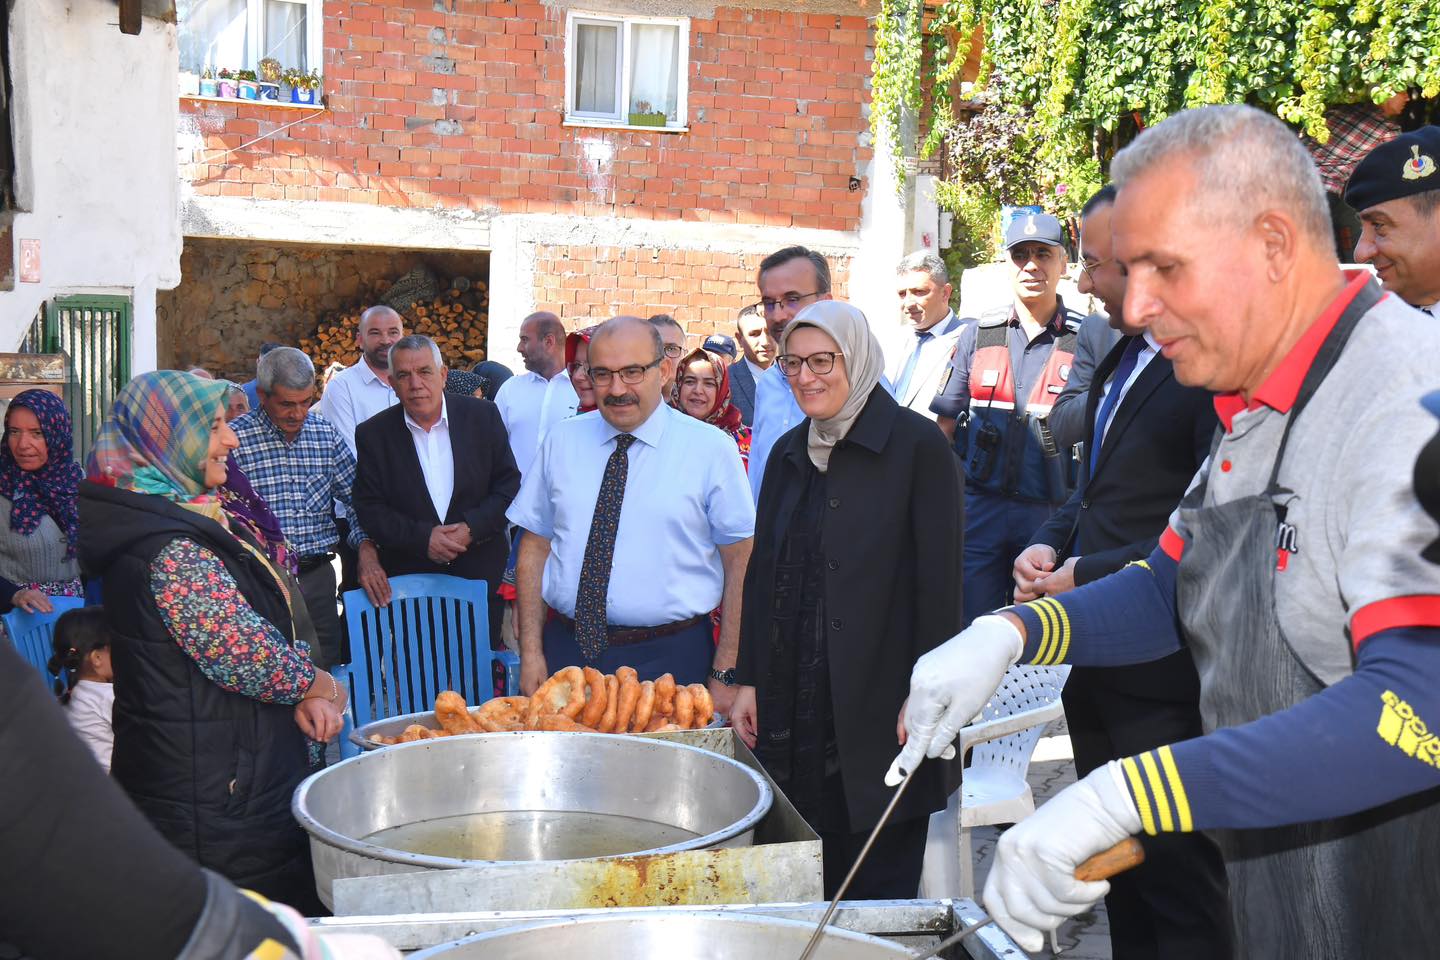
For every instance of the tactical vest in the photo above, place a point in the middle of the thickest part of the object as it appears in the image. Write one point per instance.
(1004, 449)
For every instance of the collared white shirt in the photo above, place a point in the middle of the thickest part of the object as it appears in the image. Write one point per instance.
(1147, 353)
(775, 413)
(756, 371)
(685, 496)
(354, 395)
(1432, 310)
(530, 405)
(437, 459)
(930, 365)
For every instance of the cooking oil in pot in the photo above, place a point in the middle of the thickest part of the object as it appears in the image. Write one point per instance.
(529, 835)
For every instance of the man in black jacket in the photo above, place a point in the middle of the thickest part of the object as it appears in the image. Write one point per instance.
(435, 476)
(1146, 437)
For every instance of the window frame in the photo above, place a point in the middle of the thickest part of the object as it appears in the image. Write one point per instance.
(255, 27)
(626, 23)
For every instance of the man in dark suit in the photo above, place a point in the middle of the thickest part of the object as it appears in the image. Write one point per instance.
(757, 351)
(435, 476)
(1147, 436)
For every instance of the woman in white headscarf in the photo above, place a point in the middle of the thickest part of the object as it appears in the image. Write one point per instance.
(855, 573)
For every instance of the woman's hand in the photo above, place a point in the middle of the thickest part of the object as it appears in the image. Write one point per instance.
(743, 716)
(319, 719)
(32, 601)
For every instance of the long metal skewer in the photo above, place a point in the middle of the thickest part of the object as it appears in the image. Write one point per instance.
(854, 868)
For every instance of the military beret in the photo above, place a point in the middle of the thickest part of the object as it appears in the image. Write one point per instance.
(1034, 228)
(1402, 167)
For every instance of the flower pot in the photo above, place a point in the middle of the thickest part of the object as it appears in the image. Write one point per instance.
(208, 87)
(647, 119)
(226, 87)
(269, 92)
(189, 83)
(287, 92)
(303, 94)
(249, 90)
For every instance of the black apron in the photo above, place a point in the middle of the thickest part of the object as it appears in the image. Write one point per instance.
(1355, 887)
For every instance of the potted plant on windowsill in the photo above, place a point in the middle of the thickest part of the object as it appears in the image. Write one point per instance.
(225, 85)
(249, 86)
(644, 116)
(269, 79)
(305, 87)
(208, 87)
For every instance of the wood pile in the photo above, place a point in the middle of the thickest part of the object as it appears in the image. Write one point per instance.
(457, 318)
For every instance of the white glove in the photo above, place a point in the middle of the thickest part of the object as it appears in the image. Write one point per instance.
(948, 687)
(1032, 888)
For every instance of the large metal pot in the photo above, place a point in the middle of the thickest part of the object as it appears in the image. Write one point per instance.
(521, 797)
(645, 934)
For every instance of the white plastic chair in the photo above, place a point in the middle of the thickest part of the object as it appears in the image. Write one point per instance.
(994, 788)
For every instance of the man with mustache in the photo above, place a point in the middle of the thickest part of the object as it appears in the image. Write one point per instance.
(637, 523)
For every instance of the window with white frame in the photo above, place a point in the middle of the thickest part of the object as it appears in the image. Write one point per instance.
(238, 34)
(626, 70)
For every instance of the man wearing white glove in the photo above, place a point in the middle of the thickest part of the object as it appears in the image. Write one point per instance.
(1308, 597)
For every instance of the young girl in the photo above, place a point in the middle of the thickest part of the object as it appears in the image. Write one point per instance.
(82, 650)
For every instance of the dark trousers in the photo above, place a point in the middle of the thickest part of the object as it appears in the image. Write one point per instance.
(890, 872)
(317, 586)
(1175, 905)
(687, 654)
(997, 529)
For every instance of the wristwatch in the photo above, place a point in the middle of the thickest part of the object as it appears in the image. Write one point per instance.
(726, 677)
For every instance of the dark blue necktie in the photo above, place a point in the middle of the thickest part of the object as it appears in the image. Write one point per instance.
(590, 598)
(908, 374)
(1128, 359)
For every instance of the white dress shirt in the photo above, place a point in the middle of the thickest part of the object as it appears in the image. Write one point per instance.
(930, 365)
(1147, 353)
(530, 405)
(685, 496)
(437, 459)
(89, 711)
(354, 395)
(756, 371)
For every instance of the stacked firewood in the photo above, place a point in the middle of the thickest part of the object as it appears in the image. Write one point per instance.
(456, 318)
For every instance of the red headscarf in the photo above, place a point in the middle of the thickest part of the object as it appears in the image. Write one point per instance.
(723, 413)
(572, 346)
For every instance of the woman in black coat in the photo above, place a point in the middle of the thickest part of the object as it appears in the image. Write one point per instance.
(855, 573)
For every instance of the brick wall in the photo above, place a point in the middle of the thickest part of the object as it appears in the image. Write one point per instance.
(703, 290)
(464, 109)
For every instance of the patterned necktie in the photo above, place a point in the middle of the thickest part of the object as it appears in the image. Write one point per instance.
(902, 388)
(595, 569)
(1123, 369)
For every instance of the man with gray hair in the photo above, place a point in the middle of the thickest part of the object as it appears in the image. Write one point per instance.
(298, 462)
(435, 476)
(923, 283)
(1300, 569)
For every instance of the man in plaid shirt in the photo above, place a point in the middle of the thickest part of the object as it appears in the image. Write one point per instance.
(299, 463)
(1355, 129)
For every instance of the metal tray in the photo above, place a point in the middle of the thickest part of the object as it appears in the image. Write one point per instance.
(394, 726)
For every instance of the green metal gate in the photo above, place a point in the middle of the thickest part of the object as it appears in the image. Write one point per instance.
(95, 332)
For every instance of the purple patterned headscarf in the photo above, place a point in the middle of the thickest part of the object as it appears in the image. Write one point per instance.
(53, 488)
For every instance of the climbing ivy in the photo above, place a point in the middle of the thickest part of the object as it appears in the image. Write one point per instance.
(1063, 84)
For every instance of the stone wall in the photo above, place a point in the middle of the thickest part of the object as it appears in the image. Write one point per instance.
(233, 295)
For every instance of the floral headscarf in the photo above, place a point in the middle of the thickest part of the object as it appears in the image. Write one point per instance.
(52, 489)
(157, 436)
(723, 414)
(572, 346)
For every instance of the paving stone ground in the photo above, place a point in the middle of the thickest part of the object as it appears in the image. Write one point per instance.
(1087, 937)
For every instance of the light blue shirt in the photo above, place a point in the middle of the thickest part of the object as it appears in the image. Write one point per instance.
(775, 413)
(685, 496)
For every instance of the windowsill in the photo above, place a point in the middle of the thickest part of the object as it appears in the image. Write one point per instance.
(277, 104)
(612, 125)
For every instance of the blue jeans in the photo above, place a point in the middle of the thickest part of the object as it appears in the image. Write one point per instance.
(997, 529)
(687, 654)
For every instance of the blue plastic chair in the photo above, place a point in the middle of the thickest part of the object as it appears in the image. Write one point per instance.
(32, 633)
(434, 636)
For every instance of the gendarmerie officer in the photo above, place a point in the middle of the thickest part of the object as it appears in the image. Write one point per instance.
(1396, 190)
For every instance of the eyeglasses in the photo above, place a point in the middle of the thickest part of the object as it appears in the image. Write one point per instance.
(674, 350)
(1088, 267)
(790, 301)
(819, 363)
(689, 383)
(631, 374)
(578, 367)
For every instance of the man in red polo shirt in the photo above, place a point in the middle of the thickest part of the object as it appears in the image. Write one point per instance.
(1294, 569)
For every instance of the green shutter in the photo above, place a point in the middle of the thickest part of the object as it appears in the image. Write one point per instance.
(94, 332)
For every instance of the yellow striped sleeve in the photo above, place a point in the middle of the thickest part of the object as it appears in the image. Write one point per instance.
(1157, 790)
(1137, 788)
(1177, 789)
(1064, 631)
(1047, 632)
(1159, 793)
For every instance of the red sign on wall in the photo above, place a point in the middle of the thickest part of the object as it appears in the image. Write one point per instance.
(29, 261)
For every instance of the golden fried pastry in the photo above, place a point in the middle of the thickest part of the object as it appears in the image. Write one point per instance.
(453, 714)
(612, 705)
(644, 707)
(629, 698)
(502, 714)
(416, 732)
(595, 697)
(684, 708)
(563, 693)
(704, 705)
(665, 694)
(561, 723)
(626, 673)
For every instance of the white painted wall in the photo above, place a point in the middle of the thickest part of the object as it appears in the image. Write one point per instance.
(882, 242)
(94, 128)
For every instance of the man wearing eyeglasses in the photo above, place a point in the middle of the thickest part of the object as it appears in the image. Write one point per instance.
(673, 336)
(637, 523)
(1004, 375)
(789, 280)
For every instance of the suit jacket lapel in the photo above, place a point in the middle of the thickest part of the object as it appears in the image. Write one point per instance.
(1156, 372)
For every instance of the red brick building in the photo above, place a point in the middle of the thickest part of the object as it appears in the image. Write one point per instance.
(635, 156)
